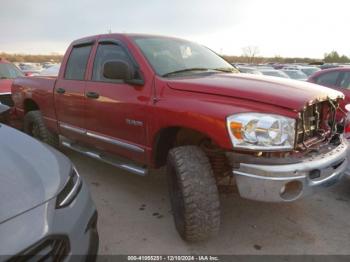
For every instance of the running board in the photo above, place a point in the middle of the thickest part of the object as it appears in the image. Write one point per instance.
(117, 162)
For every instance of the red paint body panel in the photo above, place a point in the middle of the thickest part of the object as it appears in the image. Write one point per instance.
(199, 103)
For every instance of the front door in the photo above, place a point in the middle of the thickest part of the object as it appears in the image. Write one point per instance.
(116, 111)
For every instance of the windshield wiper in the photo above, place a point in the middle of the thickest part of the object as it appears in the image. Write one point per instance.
(185, 70)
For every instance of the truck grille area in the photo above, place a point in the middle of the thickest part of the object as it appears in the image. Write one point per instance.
(54, 248)
(317, 122)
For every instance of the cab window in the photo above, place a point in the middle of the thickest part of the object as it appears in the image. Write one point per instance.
(107, 52)
(77, 62)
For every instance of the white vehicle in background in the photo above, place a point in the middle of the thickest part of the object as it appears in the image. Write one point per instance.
(248, 70)
(51, 71)
(295, 74)
(307, 70)
(273, 72)
(30, 69)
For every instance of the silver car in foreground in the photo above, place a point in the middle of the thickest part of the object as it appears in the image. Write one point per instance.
(46, 212)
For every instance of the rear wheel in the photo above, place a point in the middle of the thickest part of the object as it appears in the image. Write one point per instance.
(34, 125)
(193, 193)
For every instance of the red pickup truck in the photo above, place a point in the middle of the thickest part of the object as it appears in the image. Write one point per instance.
(141, 102)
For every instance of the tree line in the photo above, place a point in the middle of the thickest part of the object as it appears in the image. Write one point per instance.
(55, 58)
(249, 55)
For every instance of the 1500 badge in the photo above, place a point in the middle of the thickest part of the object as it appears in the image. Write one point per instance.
(133, 122)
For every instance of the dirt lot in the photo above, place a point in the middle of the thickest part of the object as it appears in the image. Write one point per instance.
(135, 218)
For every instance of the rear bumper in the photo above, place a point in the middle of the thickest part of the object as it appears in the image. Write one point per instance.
(289, 182)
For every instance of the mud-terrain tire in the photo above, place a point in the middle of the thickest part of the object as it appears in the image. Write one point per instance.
(34, 126)
(193, 193)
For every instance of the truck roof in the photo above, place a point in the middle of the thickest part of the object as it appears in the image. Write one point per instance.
(119, 35)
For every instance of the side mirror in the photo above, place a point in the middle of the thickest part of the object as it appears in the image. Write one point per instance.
(117, 70)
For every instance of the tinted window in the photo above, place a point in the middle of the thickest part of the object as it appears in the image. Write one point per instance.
(107, 52)
(328, 79)
(345, 82)
(8, 71)
(76, 65)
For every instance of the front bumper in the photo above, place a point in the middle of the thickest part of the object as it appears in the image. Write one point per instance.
(289, 182)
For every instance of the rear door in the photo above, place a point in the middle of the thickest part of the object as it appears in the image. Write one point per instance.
(70, 93)
(116, 111)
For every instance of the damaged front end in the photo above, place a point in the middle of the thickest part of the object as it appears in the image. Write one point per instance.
(319, 158)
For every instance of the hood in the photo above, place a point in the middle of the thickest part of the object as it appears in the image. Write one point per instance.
(287, 93)
(5, 85)
(31, 173)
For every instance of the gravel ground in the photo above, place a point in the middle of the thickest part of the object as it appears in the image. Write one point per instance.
(135, 218)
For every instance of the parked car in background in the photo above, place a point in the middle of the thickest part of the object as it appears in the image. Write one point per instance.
(273, 72)
(8, 72)
(337, 78)
(30, 69)
(307, 70)
(249, 70)
(51, 71)
(295, 74)
(46, 65)
(328, 66)
(46, 211)
(140, 102)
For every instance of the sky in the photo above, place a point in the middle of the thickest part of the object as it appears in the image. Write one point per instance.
(288, 28)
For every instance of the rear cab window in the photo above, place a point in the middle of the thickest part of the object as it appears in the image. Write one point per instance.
(77, 62)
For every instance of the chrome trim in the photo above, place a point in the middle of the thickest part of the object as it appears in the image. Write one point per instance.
(73, 129)
(106, 139)
(115, 142)
(114, 162)
(6, 93)
(264, 182)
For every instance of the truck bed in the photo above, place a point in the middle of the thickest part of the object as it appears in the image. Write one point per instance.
(25, 90)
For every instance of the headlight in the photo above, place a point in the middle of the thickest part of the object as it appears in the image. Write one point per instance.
(70, 190)
(265, 132)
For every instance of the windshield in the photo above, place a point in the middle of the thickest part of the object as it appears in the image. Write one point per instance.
(8, 71)
(168, 55)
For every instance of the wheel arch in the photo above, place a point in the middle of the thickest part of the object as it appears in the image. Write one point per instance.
(171, 136)
(30, 105)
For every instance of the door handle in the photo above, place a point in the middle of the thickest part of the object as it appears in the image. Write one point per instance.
(92, 95)
(60, 90)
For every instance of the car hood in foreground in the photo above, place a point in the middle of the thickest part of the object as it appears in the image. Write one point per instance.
(31, 173)
(290, 94)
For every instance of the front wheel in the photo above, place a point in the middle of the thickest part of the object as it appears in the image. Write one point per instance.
(34, 126)
(193, 193)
